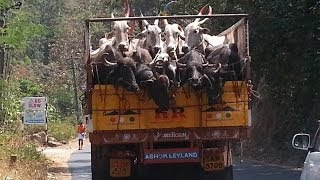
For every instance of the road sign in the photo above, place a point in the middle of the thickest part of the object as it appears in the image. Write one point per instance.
(34, 117)
(34, 103)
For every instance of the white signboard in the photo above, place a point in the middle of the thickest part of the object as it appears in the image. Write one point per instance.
(34, 117)
(34, 103)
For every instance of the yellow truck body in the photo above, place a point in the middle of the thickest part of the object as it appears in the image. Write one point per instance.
(117, 109)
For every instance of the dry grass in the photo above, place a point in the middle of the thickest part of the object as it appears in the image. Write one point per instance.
(30, 164)
(29, 170)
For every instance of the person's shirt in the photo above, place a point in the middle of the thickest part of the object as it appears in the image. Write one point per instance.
(81, 129)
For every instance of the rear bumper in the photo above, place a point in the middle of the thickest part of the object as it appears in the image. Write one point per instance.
(168, 135)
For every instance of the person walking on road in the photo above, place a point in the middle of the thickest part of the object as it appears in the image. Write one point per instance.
(81, 133)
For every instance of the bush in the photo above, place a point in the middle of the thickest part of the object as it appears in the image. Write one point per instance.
(63, 130)
(14, 143)
(30, 163)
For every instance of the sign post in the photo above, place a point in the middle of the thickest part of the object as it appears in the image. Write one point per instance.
(35, 112)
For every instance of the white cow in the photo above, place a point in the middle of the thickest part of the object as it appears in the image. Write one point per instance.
(196, 37)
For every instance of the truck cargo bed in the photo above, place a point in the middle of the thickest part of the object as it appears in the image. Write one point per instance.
(117, 109)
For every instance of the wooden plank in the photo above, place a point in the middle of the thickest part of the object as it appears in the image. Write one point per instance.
(233, 27)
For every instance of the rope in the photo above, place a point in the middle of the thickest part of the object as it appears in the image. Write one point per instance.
(97, 74)
(253, 92)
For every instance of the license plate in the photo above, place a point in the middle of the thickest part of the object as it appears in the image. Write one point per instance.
(213, 159)
(120, 167)
(213, 166)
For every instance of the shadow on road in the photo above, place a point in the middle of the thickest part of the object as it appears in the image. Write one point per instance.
(80, 164)
(80, 161)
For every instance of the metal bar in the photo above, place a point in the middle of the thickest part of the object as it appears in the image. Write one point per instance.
(165, 17)
(87, 42)
(248, 38)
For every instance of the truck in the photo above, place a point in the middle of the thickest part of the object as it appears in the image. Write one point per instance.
(131, 140)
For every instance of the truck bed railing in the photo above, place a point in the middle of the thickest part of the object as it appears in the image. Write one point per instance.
(165, 17)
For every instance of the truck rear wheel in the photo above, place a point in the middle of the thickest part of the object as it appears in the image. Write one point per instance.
(99, 164)
(226, 174)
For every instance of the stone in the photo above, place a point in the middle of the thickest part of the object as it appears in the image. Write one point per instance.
(39, 137)
(51, 139)
(53, 144)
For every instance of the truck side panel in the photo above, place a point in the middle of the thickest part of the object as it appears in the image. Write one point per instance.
(116, 109)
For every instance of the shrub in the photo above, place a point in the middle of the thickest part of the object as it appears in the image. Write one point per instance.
(62, 130)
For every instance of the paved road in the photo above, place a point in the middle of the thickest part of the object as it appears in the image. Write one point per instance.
(80, 168)
(259, 171)
(80, 164)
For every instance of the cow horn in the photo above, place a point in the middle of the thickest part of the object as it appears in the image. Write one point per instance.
(200, 12)
(206, 77)
(145, 22)
(155, 62)
(131, 29)
(127, 8)
(128, 13)
(165, 22)
(156, 22)
(181, 64)
(205, 64)
(215, 71)
(109, 63)
(210, 12)
(181, 34)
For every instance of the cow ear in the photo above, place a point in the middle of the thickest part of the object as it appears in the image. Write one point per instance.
(141, 35)
(134, 52)
(205, 30)
(182, 36)
(109, 35)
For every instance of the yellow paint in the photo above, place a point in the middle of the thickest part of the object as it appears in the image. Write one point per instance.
(141, 109)
(120, 167)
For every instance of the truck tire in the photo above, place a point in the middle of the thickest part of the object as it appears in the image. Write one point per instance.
(94, 162)
(226, 174)
(99, 164)
(228, 171)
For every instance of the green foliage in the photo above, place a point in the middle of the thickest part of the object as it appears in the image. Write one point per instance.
(12, 143)
(63, 129)
(62, 100)
(4, 4)
(11, 100)
(29, 88)
(20, 29)
(285, 56)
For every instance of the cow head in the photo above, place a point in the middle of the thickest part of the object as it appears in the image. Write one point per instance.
(193, 63)
(121, 30)
(165, 65)
(173, 34)
(194, 32)
(152, 32)
(123, 70)
(159, 92)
